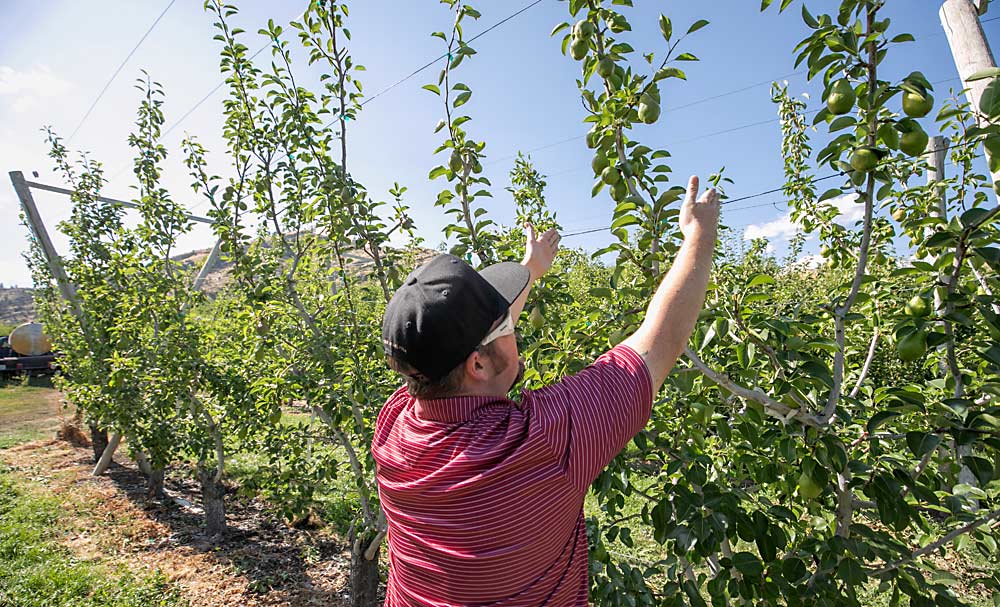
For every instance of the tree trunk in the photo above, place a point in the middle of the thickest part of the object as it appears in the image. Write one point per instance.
(98, 440)
(154, 477)
(212, 498)
(154, 484)
(364, 574)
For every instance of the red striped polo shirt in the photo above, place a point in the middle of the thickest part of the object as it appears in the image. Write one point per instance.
(484, 496)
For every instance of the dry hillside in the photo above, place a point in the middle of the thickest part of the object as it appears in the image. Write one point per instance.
(16, 306)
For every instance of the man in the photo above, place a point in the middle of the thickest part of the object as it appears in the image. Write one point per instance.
(484, 496)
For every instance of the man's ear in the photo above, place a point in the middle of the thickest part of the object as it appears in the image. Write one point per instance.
(475, 366)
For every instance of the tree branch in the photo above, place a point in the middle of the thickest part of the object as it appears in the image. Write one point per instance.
(867, 365)
(771, 406)
(986, 287)
(359, 473)
(840, 312)
(845, 504)
(937, 544)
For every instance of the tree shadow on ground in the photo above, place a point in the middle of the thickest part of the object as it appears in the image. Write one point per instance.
(302, 567)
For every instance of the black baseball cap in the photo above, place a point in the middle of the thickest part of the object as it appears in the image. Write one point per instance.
(444, 310)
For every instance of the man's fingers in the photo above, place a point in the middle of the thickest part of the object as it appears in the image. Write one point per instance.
(692, 192)
(531, 230)
(710, 195)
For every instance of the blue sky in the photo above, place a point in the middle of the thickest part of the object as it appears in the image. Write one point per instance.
(56, 55)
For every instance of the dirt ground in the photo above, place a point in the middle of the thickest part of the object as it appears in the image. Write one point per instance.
(261, 561)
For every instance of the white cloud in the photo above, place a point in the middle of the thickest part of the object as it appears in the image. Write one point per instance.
(783, 228)
(850, 211)
(25, 88)
(810, 261)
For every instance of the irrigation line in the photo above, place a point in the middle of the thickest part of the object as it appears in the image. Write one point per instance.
(117, 71)
(444, 56)
(560, 142)
(363, 103)
(681, 141)
(194, 107)
(205, 98)
(666, 111)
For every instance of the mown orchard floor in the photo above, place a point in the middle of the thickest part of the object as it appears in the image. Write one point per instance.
(124, 546)
(109, 522)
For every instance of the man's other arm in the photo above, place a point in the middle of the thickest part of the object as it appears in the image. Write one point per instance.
(672, 312)
(539, 253)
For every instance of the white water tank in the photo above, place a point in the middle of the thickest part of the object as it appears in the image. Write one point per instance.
(29, 339)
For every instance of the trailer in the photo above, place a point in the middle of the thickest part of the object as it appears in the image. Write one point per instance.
(27, 350)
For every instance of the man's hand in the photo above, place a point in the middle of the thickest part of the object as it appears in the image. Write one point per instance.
(539, 252)
(672, 313)
(699, 216)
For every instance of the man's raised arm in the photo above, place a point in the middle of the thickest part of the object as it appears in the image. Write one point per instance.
(674, 308)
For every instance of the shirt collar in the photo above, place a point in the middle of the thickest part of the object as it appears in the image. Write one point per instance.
(456, 408)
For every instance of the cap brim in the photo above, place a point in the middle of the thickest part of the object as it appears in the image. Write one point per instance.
(508, 278)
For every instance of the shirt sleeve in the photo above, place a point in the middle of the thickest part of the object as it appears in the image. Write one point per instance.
(588, 418)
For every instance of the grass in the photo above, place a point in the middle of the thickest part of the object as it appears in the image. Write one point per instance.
(35, 571)
(336, 501)
(29, 411)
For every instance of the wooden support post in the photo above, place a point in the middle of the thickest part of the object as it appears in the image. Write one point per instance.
(37, 227)
(935, 175)
(114, 201)
(68, 289)
(105, 460)
(935, 170)
(206, 268)
(960, 19)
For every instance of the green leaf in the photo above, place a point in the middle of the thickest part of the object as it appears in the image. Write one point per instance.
(818, 371)
(880, 418)
(559, 28)
(461, 99)
(748, 564)
(991, 255)
(920, 443)
(851, 572)
(693, 594)
(666, 28)
(760, 279)
(989, 103)
(432, 88)
(669, 72)
(990, 72)
(992, 354)
(842, 123)
(974, 216)
(832, 193)
(686, 57)
(981, 468)
(627, 220)
(969, 490)
(808, 18)
(437, 172)
(794, 569)
(697, 25)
